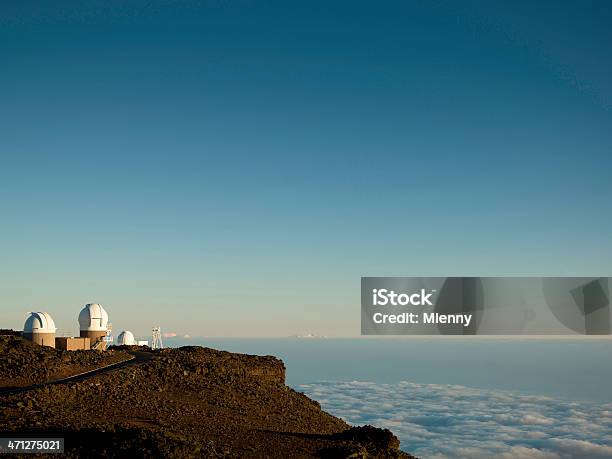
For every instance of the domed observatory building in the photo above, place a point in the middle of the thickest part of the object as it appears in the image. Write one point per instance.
(40, 329)
(93, 323)
(126, 338)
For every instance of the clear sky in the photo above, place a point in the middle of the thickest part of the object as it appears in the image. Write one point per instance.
(233, 168)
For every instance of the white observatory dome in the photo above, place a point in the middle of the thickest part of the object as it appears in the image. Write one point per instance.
(39, 322)
(126, 338)
(93, 317)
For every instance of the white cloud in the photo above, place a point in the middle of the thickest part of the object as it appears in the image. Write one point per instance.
(522, 452)
(435, 421)
(536, 419)
(582, 448)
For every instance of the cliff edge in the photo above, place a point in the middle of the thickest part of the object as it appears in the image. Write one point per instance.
(189, 402)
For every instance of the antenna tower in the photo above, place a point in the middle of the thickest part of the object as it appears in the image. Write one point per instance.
(157, 339)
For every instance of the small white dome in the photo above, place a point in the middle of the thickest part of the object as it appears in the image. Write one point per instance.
(93, 317)
(126, 338)
(39, 322)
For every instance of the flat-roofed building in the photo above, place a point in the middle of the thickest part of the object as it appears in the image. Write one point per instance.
(72, 344)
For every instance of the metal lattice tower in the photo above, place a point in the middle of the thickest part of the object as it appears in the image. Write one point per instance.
(157, 339)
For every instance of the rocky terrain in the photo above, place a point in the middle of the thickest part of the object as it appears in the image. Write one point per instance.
(188, 402)
(23, 363)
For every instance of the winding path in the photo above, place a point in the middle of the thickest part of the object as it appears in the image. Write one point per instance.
(138, 357)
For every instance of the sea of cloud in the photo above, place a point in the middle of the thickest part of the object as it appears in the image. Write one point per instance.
(443, 421)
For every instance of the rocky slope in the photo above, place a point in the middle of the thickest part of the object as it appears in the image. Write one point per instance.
(189, 402)
(23, 363)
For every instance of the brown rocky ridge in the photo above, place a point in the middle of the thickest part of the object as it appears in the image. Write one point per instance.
(184, 402)
(23, 363)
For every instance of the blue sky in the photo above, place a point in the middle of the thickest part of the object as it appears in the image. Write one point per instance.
(234, 168)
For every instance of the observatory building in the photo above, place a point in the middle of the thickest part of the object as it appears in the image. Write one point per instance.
(126, 338)
(93, 323)
(40, 328)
